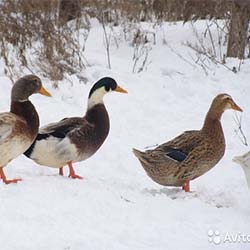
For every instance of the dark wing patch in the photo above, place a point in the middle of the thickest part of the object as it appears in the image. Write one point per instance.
(40, 137)
(186, 142)
(176, 154)
(62, 128)
(29, 151)
(59, 130)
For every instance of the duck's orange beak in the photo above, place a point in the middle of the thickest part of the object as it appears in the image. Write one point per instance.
(236, 107)
(121, 90)
(43, 91)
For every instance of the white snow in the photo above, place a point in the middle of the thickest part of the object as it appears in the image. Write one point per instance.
(117, 206)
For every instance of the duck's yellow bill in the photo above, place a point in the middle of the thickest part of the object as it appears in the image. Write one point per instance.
(121, 90)
(43, 91)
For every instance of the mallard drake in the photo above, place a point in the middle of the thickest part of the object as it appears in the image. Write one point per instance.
(77, 138)
(244, 161)
(191, 154)
(19, 127)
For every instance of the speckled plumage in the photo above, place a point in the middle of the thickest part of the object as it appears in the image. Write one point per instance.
(199, 150)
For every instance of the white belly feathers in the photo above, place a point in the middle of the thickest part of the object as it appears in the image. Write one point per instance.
(54, 152)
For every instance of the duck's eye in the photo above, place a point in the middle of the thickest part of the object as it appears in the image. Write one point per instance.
(107, 88)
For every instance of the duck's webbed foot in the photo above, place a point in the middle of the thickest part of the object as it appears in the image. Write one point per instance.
(72, 172)
(61, 171)
(186, 186)
(5, 180)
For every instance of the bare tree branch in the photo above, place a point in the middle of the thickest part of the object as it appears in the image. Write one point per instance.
(239, 132)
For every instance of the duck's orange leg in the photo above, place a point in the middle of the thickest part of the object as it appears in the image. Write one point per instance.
(3, 177)
(72, 172)
(186, 186)
(61, 171)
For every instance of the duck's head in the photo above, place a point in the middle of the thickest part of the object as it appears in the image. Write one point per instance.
(223, 102)
(25, 86)
(101, 88)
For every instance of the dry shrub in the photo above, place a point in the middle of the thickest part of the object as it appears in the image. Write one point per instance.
(118, 11)
(36, 35)
(33, 38)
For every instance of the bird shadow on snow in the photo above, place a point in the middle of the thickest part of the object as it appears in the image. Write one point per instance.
(218, 200)
(171, 193)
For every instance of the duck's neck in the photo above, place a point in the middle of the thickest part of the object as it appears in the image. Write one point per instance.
(27, 111)
(98, 116)
(96, 98)
(212, 124)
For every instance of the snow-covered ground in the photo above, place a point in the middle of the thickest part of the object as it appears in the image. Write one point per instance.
(116, 206)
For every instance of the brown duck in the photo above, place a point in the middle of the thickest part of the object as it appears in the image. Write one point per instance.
(191, 154)
(19, 127)
(75, 139)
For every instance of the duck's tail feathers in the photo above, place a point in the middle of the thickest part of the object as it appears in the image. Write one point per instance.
(137, 153)
(243, 159)
(142, 156)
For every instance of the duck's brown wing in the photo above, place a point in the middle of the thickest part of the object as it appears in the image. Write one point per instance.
(179, 147)
(62, 128)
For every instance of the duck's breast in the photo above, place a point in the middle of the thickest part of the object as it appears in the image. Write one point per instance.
(53, 152)
(17, 142)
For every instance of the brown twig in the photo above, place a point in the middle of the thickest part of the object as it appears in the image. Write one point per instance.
(239, 132)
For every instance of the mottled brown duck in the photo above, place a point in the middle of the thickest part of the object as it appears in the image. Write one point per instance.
(19, 127)
(77, 138)
(191, 154)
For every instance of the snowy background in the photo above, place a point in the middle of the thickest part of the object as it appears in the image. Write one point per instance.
(116, 206)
